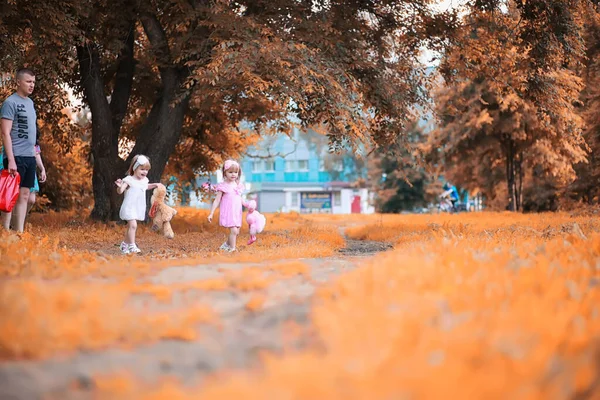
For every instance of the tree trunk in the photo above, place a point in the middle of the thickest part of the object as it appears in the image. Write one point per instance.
(106, 123)
(510, 176)
(106, 200)
(160, 133)
(519, 172)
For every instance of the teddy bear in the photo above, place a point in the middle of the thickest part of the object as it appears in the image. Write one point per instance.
(256, 221)
(160, 212)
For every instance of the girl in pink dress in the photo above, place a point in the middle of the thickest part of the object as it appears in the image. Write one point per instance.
(229, 197)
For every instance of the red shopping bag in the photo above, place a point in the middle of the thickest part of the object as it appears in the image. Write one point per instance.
(9, 190)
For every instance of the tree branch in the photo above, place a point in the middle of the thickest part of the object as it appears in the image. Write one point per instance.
(160, 46)
(270, 155)
(119, 98)
(156, 35)
(93, 86)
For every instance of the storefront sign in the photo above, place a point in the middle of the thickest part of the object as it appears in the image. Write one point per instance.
(315, 201)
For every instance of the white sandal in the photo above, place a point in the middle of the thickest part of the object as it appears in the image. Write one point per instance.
(124, 248)
(134, 249)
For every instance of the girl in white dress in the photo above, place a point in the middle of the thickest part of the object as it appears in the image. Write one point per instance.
(133, 208)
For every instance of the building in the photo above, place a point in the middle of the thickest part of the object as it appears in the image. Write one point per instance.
(296, 173)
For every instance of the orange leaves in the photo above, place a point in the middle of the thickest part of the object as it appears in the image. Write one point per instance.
(42, 319)
(66, 245)
(517, 318)
(484, 229)
(256, 302)
(483, 118)
(508, 110)
(481, 305)
(64, 286)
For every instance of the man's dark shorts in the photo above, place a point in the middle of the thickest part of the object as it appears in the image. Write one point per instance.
(26, 166)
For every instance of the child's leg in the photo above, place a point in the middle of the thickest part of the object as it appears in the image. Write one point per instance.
(130, 232)
(233, 233)
(252, 235)
(31, 201)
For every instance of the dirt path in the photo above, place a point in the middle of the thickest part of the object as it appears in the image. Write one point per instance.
(243, 333)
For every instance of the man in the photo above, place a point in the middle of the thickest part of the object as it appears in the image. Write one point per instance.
(19, 135)
(451, 194)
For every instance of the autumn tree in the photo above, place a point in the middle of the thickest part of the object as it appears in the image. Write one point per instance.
(397, 176)
(586, 187)
(176, 77)
(507, 103)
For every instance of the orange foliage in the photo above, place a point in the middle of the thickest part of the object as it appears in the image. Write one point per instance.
(256, 302)
(508, 107)
(54, 279)
(41, 319)
(66, 245)
(489, 228)
(485, 306)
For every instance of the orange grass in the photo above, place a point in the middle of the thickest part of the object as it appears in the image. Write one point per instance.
(489, 305)
(41, 319)
(506, 307)
(45, 318)
(503, 227)
(68, 246)
(64, 286)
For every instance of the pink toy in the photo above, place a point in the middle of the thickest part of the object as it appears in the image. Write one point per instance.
(256, 221)
(208, 187)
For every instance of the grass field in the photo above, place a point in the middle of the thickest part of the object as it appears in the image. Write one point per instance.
(482, 305)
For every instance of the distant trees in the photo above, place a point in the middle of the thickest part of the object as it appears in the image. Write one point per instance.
(508, 107)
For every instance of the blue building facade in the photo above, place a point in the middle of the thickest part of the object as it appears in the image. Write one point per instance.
(296, 173)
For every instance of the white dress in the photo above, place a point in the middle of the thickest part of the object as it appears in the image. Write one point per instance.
(134, 204)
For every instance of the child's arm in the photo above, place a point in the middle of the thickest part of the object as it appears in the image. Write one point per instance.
(121, 185)
(215, 205)
(153, 185)
(40, 164)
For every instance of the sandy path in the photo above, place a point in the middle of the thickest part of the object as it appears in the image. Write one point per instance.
(243, 333)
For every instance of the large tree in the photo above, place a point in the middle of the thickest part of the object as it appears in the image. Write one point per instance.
(175, 77)
(509, 95)
(586, 187)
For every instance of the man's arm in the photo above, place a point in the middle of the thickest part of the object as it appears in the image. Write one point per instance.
(6, 126)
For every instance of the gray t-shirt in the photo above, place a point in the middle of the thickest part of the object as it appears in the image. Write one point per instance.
(21, 112)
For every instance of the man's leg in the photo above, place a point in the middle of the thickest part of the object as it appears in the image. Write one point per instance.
(20, 209)
(27, 169)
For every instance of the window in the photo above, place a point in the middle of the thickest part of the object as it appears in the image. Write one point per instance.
(321, 165)
(303, 165)
(337, 199)
(294, 199)
(290, 165)
(338, 165)
(269, 165)
(256, 166)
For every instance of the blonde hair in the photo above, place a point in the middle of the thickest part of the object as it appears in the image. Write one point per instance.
(232, 165)
(132, 166)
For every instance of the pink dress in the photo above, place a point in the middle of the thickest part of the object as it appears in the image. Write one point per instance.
(230, 213)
